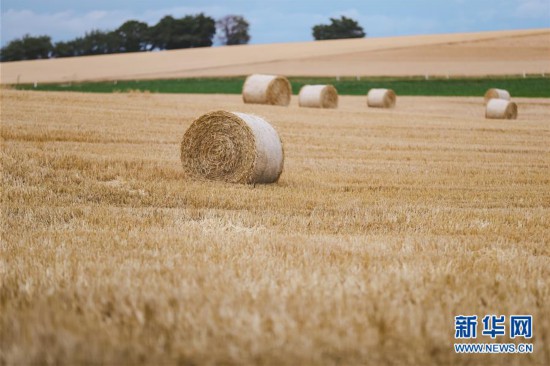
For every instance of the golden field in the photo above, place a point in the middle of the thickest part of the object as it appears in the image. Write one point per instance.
(462, 54)
(382, 228)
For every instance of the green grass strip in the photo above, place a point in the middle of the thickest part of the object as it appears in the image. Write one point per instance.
(531, 86)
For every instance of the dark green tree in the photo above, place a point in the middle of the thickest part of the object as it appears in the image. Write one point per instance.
(64, 49)
(338, 29)
(132, 36)
(77, 47)
(203, 29)
(190, 31)
(97, 42)
(233, 29)
(13, 51)
(37, 47)
(162, 32)
(27, 48)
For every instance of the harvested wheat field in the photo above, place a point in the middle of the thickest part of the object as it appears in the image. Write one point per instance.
(460, 54)
(384, 225)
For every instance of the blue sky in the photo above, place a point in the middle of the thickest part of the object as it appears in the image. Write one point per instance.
(276, 20)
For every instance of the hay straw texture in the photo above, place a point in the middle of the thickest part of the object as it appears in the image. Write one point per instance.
(381, 98)
(232, 147)
(496, 94)
(501, 109)
(267, 89)
(318, 96)
(382, 228)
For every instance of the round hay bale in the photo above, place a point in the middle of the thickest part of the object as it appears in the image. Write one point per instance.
(501, 109)
(267, 89)
(232, 147)
(496, 94)
(318, 96)
(381, 98)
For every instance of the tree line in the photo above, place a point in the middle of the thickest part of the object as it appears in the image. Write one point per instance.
(168, 34)
(134, 36)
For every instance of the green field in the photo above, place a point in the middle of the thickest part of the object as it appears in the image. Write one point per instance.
(519, 87)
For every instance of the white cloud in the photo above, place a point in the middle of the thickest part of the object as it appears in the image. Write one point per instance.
(66, 24)
(61, 25)
(533, 9)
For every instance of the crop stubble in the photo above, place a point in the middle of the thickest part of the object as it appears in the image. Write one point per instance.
(382, 228)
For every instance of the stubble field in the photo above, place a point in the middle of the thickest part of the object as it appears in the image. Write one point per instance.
(495, 53)
(382, 228)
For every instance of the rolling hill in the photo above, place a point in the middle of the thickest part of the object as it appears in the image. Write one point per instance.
(465, 54)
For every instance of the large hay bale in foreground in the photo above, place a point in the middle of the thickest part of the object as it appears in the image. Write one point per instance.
(381, 98)
(267, 89)
(232, 147)
(496, 94)
(318, 96)
(501, 109)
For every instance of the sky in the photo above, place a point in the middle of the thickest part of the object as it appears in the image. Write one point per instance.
(273, 21)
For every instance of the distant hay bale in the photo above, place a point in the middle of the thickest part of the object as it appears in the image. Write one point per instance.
(496, 94)
(318, 96)
(267, 89)
(501, 109)
(381, 98)
(232, 147)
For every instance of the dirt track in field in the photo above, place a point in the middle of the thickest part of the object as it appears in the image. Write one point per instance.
(469, 54)
(383, 227)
